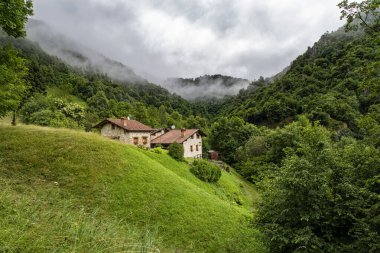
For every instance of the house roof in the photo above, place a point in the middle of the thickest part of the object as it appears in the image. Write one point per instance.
(175, 136)
(130, 125)
(158, 130)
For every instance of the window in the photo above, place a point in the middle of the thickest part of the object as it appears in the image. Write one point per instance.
(113, 126)
(145, 140)
(135, 140)
(196, 148)
(198, 136)
(191, 148)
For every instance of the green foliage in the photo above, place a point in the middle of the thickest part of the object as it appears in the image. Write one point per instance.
(13, 84)
(227, 134)
(320, 200)
(206, 171)
(158, 150)
(54, 112)
(13, 16)
(364, 14)
(176, 151)
(334, 82)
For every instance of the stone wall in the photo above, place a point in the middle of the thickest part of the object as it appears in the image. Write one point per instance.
(121, 134)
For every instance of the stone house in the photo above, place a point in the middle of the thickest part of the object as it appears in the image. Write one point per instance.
(126, 130)
(191, 139)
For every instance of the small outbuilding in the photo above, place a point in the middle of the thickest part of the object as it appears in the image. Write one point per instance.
(213, 155)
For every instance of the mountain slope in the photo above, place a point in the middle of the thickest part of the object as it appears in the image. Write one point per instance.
(334, 82)
(103, 96)
(64, 190)
(76, 54)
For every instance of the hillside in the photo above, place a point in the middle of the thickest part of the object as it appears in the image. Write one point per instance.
(64, 190)
(101, 95)
(334, 82)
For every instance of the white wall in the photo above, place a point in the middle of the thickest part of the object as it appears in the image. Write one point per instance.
(193, 142)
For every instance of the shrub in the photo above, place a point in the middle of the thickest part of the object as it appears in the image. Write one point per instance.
(176, 151)
(157, 150)
(206, 171)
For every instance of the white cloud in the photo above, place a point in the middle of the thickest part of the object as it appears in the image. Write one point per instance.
(167, 38)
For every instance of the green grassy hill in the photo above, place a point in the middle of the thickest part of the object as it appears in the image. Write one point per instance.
(68, 191)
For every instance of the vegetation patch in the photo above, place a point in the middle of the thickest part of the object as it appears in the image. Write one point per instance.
(176, 151)
(206, 171)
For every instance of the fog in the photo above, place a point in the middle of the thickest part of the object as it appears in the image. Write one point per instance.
(179, 38)
(206, 87)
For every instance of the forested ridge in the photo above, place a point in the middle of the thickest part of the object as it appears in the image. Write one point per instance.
(63, 96)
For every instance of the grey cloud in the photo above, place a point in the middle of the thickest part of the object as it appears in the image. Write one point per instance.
(181, 38)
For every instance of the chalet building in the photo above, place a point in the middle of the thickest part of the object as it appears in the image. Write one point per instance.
(191, 139)
(126, 130)
(136, 133)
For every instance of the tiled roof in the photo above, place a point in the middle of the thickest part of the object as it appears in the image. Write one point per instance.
(130, 125)
(174, 136)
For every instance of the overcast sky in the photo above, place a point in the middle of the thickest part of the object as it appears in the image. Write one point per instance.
(189, 38)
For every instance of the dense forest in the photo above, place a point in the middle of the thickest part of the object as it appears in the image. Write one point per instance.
(62, 96)
(308, 138)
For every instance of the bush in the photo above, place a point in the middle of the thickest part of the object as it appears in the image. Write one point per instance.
(206, 171)
(157, 150)
(176, 151)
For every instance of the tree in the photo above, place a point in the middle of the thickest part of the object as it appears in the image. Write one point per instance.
(13, 16)
(176, 151)
(324, 197)
(100, 104)
(363, 14)
(228, 134)
(13, 84)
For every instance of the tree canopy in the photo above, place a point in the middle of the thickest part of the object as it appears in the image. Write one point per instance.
(13, 16)
(364, 14)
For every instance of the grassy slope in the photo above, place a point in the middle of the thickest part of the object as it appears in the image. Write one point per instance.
(55, 92)
(64, 190)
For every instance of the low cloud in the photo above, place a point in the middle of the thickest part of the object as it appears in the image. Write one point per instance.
(206, 86)
(76, 54)
(158, 39)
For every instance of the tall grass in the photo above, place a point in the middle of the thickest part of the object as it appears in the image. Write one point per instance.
(68, 191)
(46, 221)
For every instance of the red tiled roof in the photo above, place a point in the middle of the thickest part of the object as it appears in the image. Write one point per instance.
(130, 125)
(174, 136)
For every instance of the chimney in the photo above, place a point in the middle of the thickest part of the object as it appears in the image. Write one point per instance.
(124, 121)
(183, 132)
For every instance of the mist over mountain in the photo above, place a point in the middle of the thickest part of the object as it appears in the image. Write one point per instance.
(86, 59)
(77, 55)
(206, 86)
